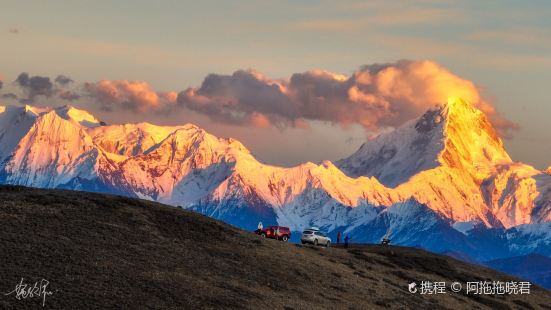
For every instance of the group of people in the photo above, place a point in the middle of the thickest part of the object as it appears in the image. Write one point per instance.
(346, 239)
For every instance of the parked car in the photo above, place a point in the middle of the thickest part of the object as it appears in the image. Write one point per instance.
(315, 237)
(275, 232)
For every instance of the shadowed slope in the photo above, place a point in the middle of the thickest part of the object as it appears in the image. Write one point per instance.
(101, 251)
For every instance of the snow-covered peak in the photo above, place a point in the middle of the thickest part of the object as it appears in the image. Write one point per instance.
(471, 142)
(15, 122)
(192, 139)
(454, 134)
(35, 110)
(130, 139)
(465, 227)
(66, 112)
(11, 111)
(140, 138)
(394, 156)
(543, 229)
(82, 117)
(51, 153)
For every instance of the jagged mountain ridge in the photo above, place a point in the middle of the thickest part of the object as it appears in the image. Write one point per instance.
(449, 162)
(454, 152)
(455, 136)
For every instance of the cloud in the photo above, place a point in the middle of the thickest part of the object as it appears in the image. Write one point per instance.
(245, 97)
(137, 96)
(9, 96)
(374, 96)
(63, 80)
(26, 101)
(34, 86)
(68, 95)
(13, 30)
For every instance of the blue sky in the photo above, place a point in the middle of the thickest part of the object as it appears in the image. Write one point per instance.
(504, 47)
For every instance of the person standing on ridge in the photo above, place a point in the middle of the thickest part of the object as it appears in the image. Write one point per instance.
(346, 241)
(338, 237)
(260, 226)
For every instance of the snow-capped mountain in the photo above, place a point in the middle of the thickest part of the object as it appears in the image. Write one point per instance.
(443, 181)
(452, 136)
(452, 160)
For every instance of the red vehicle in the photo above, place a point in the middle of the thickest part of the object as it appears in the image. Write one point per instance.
(275, 232)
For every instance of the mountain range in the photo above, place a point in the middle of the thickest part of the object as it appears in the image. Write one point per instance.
(443, 181)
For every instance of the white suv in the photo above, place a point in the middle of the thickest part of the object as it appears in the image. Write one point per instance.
(315, 237)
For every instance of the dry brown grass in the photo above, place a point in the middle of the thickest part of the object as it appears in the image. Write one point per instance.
(101, 251)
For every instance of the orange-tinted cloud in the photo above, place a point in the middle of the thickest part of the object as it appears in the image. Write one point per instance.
(374, 96)
(133, 95)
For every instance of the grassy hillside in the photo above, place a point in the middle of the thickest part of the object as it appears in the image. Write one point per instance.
(101, 251)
